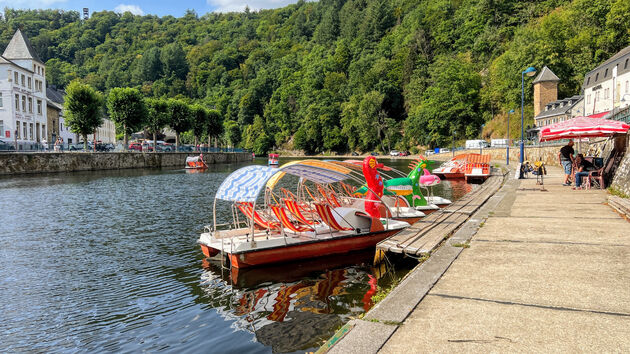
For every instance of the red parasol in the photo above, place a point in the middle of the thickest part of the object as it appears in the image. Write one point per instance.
(583, 127)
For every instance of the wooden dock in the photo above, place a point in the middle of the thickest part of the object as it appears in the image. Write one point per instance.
(426, 234)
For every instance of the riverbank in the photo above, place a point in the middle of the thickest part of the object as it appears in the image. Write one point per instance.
(46, 162)
(556, 281)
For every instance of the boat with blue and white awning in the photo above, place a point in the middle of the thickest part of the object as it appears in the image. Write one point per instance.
(276, 225)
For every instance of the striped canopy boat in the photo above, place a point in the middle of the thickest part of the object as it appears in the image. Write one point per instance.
(267, 228)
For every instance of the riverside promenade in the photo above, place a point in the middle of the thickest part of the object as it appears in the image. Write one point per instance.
(545, 271)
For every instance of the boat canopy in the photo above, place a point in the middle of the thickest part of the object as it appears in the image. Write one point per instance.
(313, 170)
(245, 184)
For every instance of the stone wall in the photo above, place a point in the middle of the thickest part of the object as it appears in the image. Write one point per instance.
(621, 181)
(16, 163)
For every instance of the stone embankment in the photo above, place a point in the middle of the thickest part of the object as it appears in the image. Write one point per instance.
(17, 163)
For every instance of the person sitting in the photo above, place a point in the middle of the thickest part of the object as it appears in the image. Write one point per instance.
(583, 167)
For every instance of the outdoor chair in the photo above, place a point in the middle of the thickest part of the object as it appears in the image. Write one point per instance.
(597, 178)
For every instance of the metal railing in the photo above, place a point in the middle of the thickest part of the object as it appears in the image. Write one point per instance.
(623, 115)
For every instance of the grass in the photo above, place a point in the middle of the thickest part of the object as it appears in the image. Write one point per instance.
(462, 245)
(617, 192)
(384, 291)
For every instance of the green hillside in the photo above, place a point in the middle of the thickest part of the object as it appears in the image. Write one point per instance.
(336, 75)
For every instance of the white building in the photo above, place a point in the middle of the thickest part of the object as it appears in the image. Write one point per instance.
(608, 85)
(22, 93)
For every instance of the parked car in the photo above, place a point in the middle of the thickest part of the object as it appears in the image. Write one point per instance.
(354, 153)
(403, 153)
(104, 147)
(5, 146)
(374, 153)
(135, 146)
(394, 153)
(186, 148)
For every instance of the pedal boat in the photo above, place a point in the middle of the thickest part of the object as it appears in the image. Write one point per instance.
(273, 233)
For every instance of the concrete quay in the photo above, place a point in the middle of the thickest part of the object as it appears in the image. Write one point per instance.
(546, 271)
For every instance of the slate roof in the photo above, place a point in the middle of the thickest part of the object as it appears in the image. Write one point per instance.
(54, 95)
(20, 48)
(604, 71)
(560, 107)
(546, 75)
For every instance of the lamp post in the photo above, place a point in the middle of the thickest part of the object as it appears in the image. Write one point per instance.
(453, 145)
(507, 145)
(531, 71)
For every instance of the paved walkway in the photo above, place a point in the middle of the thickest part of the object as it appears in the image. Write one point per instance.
(547, 271)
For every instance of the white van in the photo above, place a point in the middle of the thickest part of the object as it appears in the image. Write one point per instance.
(476, 144)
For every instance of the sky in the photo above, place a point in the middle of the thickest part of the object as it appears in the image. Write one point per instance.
(176, 8)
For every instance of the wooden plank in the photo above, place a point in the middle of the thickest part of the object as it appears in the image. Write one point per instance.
(426, 234)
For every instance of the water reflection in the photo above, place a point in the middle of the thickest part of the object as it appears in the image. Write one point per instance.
(296, 306)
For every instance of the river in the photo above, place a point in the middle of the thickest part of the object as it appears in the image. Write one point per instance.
(108, 261)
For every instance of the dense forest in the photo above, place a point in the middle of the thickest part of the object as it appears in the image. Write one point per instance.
(336, 75)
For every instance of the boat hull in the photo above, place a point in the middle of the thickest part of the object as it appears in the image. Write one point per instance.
(307, 250)
(449, 175)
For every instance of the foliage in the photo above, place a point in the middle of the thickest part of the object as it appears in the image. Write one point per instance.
(127, 109)
(334, 75)
(83, 109)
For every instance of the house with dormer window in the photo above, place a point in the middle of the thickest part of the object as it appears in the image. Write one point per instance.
(22, 94)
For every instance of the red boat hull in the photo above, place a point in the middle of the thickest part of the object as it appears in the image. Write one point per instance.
(340, 244)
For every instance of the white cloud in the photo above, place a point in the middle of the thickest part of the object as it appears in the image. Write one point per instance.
(239, 5)
(29, 4)
(134, 9)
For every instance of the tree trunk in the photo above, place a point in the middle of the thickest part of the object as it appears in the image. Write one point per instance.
(154, 141)
(197, 144)
(209, 142)
(215, 142)
(125, 139)
(85, 142)
(176, 141)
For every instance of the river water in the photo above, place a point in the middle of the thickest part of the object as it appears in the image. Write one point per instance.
(108, 261)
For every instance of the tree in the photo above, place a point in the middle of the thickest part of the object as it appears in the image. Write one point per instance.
(126, 108)
(214, 126)
(157, 118)
(199, 122)
(180, 118)
(149, 66)
(174, 61)
(83, 109)
(232, 132)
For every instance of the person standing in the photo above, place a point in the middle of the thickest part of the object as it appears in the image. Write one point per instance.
(566, 161)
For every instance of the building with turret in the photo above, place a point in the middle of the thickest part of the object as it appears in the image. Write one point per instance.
(22, 94)
(548, 109)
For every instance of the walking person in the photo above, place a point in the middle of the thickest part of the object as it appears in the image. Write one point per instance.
(566, 161)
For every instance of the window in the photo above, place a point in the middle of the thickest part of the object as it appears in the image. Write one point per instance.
(17, 102)
(1, 101)
(23, 81)
(24, 103)
(24, 127)
(39, 106)
(30, 82)
(44, 130)
(15, 75)
(30, 105)
(60, 127)
(588, 81)
(17, 131)
(625, 66)
(31, 131)
(588, 99)
(606, 73)
(596, 77)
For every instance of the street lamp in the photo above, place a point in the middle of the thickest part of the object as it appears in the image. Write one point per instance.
(453, 146)
(507, 145)
(531, 71)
